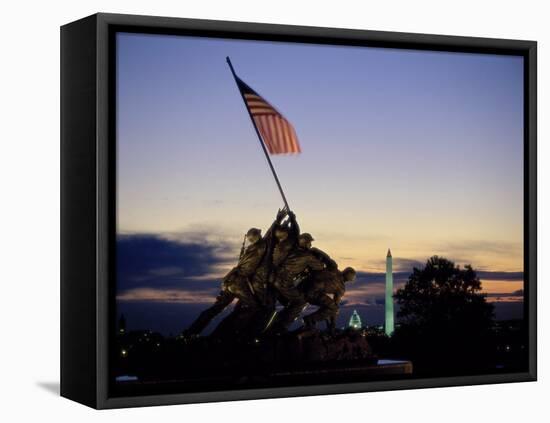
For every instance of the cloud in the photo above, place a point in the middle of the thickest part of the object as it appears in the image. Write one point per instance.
(476, 246)
(510, 297)
(365, 301)
(369, 287)
(500, 276)
(154, 261)
(518, 293)
(405, 265)
(379, 277)
(167, 271)
(501, 299)
(180, 296)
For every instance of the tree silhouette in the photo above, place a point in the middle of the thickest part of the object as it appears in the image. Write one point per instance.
(445, 320)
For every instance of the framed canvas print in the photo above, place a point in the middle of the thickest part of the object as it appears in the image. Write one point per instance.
(255, 211)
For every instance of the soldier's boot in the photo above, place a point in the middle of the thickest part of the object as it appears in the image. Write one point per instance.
(293, 301)
(293, 311)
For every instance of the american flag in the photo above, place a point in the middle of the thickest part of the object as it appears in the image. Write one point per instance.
(277, 132)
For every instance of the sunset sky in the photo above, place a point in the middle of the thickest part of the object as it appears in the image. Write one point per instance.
(418, 151)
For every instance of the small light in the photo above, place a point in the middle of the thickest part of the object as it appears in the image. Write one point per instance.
(124, 353)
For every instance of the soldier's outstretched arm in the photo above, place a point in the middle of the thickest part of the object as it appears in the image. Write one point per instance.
(294, 227)
(281, 214)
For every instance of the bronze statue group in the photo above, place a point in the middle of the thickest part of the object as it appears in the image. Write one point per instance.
(278, 267)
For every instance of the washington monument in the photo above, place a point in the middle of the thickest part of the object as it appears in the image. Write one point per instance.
(389, 326)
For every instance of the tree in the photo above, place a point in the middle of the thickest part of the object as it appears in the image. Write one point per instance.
(445, 319)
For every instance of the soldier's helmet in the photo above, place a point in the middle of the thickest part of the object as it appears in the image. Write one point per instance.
(306, 237)
(349, 274)
(254, 232)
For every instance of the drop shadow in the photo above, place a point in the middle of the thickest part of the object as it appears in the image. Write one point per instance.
(51, 387)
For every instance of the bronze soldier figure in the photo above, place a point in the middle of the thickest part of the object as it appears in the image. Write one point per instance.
(305, 240)
(236, 284)
(325, 289)
(290, 262)
(249, 322)
(260, 279)
(286, 239)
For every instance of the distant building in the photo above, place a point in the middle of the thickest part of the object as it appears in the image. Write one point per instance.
(355, 320)
(389, 321)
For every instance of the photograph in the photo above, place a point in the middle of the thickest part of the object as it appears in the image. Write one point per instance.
(297, 214)
(261, 212)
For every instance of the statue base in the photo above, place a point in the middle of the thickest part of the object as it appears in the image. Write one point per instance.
(305, 357)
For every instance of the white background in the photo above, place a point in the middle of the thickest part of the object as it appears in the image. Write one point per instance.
(29, 177)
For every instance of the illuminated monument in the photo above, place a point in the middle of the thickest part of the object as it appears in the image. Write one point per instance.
(389, 325)
(355, 320)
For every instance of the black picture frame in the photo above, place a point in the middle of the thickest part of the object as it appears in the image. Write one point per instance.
(88, 195)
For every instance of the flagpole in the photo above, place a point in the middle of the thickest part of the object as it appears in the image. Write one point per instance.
(258, 134)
